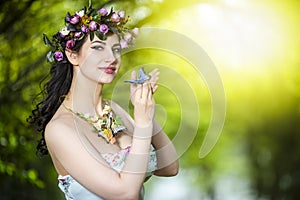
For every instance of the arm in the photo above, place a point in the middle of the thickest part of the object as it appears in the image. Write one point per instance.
(167, 158)
(94, 174)
(166, 154)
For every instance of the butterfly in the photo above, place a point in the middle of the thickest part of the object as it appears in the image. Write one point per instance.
(142, 77)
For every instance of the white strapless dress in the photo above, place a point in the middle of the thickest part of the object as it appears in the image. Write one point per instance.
(75, 191)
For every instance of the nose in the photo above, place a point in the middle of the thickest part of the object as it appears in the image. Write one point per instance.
(110, 57)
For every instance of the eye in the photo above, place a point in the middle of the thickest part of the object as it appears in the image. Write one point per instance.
(97, 47)
(116, 50)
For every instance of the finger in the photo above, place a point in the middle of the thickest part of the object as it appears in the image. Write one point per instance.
(154, 79)
(154, 88)
(133, 74)
(135, 92)
(146, 91)
(139, 91)
(133, 86)
(154, 76)
(154, 71)
(150, 94)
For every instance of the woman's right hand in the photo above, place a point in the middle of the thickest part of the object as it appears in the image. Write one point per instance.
(144, 105)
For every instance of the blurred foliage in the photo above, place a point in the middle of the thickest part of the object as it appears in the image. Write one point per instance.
(260, 143)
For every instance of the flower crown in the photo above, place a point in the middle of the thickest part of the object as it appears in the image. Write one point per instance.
(88, 21)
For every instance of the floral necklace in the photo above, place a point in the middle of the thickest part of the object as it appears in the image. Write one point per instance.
(105, 125)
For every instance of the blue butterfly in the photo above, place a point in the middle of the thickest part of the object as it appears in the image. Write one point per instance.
(142, 77)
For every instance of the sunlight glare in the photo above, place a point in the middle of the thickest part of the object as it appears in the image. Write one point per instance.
(239, 36)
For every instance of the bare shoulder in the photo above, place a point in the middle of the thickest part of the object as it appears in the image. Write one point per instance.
(59, 129)
(58, 124)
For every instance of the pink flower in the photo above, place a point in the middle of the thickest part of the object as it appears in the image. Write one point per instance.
(115, 17)
(58, 56)
(128, 37)
(70, 44)
(121, 13)
(103, 11)
(74, 19)
(135, 31)
(84, 29)
(103, 28)
(93, 26)
(123, 44)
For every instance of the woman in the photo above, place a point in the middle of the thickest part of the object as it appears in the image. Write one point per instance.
(114, 162)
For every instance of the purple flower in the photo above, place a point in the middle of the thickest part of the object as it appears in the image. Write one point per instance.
(70, 44)
(93, 26)
(121, 13)
(84, 29)
(74, 19)
(115, 17)
(58, 56)
(61, 35)
(103, 28)
(78, 34)
(103, 11)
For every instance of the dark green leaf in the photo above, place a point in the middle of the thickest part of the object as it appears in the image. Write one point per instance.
(90, 4)
(46, 40)
(91, 35)
(100, 35)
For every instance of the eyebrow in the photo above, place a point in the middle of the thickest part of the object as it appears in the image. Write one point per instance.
(101, 42)
(98, 41)
(118, 44)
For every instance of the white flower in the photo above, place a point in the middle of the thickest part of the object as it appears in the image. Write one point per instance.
(80, 13)
(107, 108)
(64, 31)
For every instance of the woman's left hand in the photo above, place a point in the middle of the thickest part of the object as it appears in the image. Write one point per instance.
(153, 81)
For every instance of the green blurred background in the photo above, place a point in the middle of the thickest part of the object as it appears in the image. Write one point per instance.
(255, 46)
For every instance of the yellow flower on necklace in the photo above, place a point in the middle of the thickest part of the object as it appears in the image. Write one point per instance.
(108, 134)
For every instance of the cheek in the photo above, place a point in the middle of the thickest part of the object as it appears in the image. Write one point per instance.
(92, 60)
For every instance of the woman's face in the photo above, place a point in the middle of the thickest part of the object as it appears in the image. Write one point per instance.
(100, 60)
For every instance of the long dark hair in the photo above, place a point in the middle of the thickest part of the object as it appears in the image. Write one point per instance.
(53, 92)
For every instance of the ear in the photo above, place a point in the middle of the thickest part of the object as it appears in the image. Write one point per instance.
(72, 57)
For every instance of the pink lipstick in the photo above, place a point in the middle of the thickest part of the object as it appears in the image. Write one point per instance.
(109, 69)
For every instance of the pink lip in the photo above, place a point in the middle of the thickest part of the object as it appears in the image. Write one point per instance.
(109, 69)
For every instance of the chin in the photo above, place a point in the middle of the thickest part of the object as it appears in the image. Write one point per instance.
(106, 81)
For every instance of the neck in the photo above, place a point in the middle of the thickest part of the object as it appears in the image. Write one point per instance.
(85, 95)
